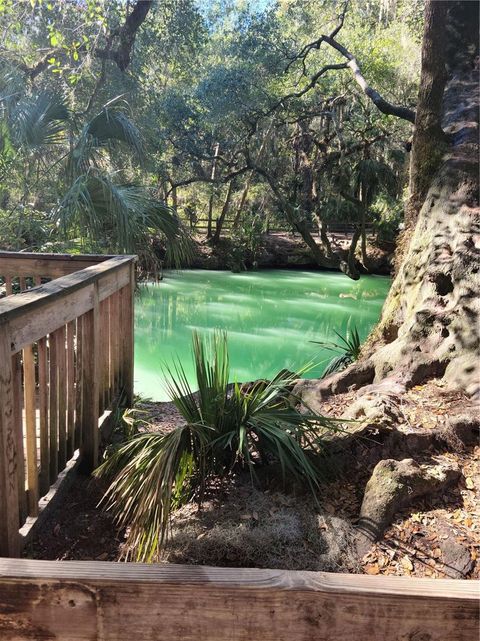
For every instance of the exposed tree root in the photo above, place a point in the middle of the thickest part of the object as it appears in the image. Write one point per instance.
(395, 485)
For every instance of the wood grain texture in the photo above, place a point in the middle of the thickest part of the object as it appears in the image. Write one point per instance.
(43, 309)
(9, 507)
(62, 396)
(53, 407)
(29, 389)
(70, 388)
(91, 386)
(76, 601)
(43, 411)
(17, 371)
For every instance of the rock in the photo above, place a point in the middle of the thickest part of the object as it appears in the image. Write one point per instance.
(314, 392)
(462, 430)
(394, 485)
(455, 557)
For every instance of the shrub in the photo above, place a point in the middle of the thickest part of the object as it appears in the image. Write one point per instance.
(227, 426)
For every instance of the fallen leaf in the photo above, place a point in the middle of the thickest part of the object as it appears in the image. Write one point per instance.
(469, 483)
(407, 564)
(372, 569)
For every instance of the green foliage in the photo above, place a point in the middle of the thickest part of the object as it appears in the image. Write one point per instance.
(349, 346)
(225, 426)
(224, 74)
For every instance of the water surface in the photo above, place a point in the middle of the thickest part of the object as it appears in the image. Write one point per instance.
(271, 318)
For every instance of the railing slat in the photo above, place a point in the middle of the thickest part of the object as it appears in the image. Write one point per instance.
(79, 384)
(70, 389)
(31, 429)
(91, 383)
(18, 419)
(43, 411)
(53, 407)
(9, 507)
(62, 396)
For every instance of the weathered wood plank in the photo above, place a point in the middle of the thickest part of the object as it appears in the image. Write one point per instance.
(78, 384)
(18, 419)
(30, 429)
(121, 602)
(45, 265)
(62, 396)
(91, 386)
(127, 305)
(43, 411)
(70, 388)
(43, 309)
(53, 407)
(9, 508)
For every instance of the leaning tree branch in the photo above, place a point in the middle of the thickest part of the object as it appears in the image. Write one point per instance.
(382, 105)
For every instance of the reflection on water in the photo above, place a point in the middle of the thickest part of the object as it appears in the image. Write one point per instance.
(270, 317)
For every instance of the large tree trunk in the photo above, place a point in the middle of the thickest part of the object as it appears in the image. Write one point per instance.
(430, 321)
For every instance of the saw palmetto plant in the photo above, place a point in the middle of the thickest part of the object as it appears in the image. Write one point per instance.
(97, 205)
(227, 427)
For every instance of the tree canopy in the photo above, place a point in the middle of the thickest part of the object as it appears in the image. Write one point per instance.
(123, 122)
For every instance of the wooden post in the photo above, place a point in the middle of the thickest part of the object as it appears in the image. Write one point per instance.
(128, 355)
(91, 384)
(18, 419)
(9, 509)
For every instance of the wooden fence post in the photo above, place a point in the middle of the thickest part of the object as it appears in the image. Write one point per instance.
(9, 507)
(91, 384)
(128, 356)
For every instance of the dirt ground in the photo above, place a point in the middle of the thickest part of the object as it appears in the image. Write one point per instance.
(239, 525)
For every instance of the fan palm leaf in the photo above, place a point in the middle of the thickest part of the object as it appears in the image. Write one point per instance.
(39, 120)
(225, 427)
(121, 217)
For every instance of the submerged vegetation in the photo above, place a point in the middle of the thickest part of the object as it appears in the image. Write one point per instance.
(225, 427)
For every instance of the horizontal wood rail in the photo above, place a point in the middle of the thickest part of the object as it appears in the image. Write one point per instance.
(76, 601)
(66, 357)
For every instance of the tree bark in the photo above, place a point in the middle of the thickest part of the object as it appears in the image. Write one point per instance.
(430, 320)
(429, 141)
(223, 215)
(210, 200)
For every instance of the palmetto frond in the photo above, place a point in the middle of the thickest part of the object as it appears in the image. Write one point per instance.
(154, 473)
(121, 217)
(38, 120)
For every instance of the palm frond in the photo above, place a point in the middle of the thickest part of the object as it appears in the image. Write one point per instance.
(350, 345)
(121, 218)
(39, 120)
(113, 124)
(224, 427)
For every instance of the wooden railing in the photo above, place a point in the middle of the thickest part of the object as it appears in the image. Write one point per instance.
(85, 600)
(66, 358)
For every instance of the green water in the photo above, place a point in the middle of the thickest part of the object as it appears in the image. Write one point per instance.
(270, 317)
